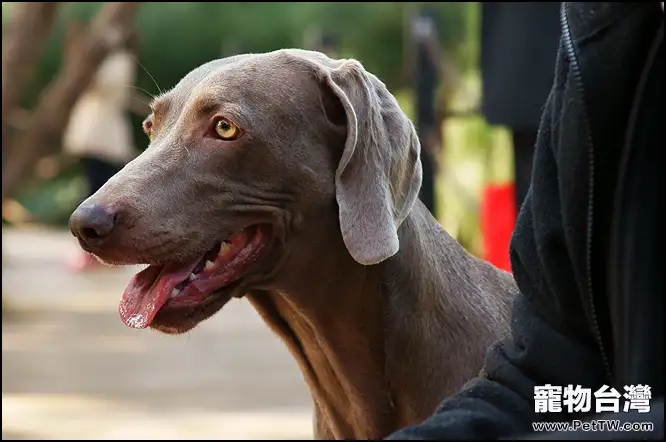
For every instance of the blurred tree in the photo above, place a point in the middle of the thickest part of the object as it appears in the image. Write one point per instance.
(51, 114)
(178, 36)
(22, 46)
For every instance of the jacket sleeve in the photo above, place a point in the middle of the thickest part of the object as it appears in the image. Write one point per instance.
(550, 341)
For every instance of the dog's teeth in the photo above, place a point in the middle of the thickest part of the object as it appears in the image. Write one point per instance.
(193, 276)
(224, 248)
(175, 292)
(209, 265)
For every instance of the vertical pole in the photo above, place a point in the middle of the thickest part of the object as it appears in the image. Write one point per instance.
(425, 76)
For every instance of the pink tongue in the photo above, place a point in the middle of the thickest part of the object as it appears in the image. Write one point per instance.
(148, 290)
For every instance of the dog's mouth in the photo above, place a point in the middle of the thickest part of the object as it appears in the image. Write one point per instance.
(190, 284)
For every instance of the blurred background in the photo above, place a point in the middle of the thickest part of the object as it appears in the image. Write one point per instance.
(472, 76)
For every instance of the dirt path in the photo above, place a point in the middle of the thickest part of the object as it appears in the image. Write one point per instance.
(72, 370)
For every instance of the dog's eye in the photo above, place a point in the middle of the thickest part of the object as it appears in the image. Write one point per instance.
(227, 130)
(148, 128)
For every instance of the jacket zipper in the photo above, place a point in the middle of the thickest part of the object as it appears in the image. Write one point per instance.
(573, 60)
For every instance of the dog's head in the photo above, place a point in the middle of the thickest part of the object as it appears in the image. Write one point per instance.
(246, 155)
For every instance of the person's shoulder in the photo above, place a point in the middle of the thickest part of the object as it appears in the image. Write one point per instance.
(592, 19)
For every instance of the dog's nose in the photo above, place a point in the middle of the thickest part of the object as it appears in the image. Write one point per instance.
(92, 223)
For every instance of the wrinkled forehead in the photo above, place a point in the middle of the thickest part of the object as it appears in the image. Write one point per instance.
(246, 82)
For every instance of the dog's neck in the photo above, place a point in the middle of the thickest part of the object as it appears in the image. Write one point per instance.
(356, 335)
(339, 348)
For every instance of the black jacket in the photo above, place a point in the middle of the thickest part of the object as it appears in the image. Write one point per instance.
(518, 45)
(588, 246)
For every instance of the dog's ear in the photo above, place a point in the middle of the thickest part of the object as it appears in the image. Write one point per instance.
(379, 175)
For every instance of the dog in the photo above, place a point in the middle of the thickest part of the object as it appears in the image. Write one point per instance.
(292, 179)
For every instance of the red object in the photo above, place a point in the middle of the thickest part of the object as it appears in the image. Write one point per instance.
(498, 217)
(82, 261)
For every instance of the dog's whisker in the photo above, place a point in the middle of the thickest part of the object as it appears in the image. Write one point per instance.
(149, 74)
(147, 103)
(151, 95)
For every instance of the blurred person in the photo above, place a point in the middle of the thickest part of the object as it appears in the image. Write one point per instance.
(588, 248)
(517, 43)
(99, 131)
(426, 67)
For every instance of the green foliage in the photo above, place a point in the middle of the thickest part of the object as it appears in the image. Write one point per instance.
(178, 36)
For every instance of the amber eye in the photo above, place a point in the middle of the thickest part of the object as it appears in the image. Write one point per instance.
(227, 130)
(148, 128)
